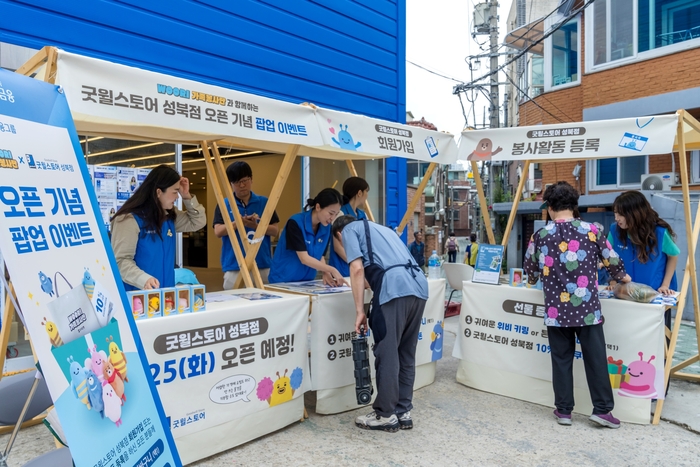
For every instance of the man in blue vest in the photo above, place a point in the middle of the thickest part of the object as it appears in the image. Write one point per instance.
(376, 254)
(251, 207)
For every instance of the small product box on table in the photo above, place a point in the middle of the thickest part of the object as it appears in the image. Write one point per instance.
(137, 300)
(154, 299)
(169, 301)
(184, 298)
(198, 298)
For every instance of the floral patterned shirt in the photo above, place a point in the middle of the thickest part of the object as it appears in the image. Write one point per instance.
(566, 254)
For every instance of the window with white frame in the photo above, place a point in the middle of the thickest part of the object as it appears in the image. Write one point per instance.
(563, 56)
(695, 166)
(617, 172)
(639, 29)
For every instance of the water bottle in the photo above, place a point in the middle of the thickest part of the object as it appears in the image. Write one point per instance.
(434, 266)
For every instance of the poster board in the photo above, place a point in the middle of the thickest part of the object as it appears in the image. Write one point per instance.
(65, 276)
(487, 269)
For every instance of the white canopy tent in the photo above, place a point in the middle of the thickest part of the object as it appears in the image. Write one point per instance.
(119, 101)
(679, 132)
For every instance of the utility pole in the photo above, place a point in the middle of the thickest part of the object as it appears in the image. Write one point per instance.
(493, 33)
(495, 107)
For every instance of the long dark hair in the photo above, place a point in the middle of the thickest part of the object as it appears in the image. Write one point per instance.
(641, 220)
(144, 201)
(325, 198)
(351, 186)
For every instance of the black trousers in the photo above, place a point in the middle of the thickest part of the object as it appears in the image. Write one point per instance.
(562, 342)
(451, 256)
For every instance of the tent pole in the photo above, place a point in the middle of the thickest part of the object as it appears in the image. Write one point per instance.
(482, 203)
(34, 63)
(228, 193)
(244, 273)
(353, 172)
(516, 202)
(414, 201)
(273, 199)
(689, 278)
(7, 317)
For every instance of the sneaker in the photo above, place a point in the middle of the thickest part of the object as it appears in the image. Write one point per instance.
(605, 419)
(405, 421)
(372, 421)
(562, 419)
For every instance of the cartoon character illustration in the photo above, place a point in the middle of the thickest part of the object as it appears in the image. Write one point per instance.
(153, 305)
(137, 307)
(483, 151)
(46, 283)
(198, 302)
(52, 331)
(117, 358)
(113, 377)
(89, 284)
(345, 140)
(113, 405)
(437, 337)
(78, 382)
(282, 390)
(96, 362)
(95, 393)
(641, 379)
(169, 304)
(182, 305)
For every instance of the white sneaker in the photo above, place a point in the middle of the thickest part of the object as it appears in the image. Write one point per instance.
(372, 421)
(405, 421)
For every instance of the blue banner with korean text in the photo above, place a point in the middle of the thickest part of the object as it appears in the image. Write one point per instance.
(57, 252)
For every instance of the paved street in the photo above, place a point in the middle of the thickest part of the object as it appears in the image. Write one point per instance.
(456, 425)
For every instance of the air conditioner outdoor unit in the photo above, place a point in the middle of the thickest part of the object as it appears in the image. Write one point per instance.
(658, 182)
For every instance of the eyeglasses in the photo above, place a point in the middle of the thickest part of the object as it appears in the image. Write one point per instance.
(243, 181)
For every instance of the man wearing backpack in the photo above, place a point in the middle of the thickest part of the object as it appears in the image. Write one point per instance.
(452, 248)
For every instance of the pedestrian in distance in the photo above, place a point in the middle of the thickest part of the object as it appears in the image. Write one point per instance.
(472, 251)
(376, 254)
(417, 249)
(565, 255)
(452, 248)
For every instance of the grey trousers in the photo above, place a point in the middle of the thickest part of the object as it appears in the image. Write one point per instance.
(395, 356)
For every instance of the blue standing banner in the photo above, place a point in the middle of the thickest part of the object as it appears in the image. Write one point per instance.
(63, 269)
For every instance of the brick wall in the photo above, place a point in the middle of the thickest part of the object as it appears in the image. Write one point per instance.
(661, 75)
(420, 210)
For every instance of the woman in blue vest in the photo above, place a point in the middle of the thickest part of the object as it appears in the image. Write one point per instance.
(304, 240)
(355, 192)
(644, 242)
(144, 228)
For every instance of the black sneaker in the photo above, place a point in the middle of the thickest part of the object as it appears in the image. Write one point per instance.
(405, 421)
(372, 421)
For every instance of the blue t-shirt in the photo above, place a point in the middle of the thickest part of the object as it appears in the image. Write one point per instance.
(388, 250)
(256, 205)
(335, 260)
(286, 266)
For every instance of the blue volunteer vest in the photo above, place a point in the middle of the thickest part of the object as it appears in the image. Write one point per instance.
(286, 266)
(650, 273)
(256, 205)
(335, 260)
(155, 255)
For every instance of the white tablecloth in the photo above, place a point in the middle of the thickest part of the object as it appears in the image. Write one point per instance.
(212, 369)
(332, 321)
(503, 350)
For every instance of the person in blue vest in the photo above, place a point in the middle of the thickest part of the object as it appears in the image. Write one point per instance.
(251, 207)
(355, 192)
(645, 243)
(379, 257)
(304, 241)
(144, 228)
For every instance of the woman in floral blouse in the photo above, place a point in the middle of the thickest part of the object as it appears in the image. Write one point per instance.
(565, 254)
